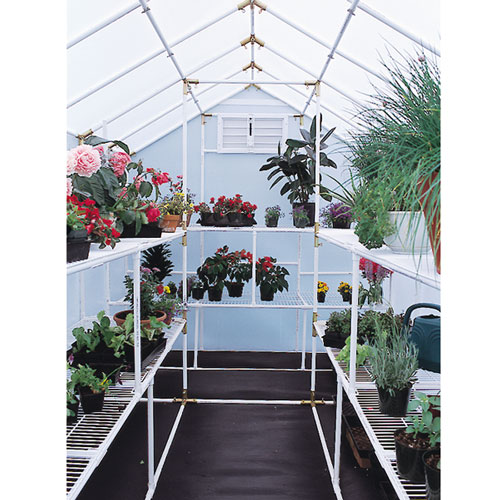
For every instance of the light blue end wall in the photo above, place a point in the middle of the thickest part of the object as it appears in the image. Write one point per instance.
(228, 174)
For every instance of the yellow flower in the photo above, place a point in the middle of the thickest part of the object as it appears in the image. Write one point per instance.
(166, 289)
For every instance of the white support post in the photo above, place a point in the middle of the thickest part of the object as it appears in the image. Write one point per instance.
(388, 22)
(196, 337)
(338, 434)
(313, 363)
(304, 332)
(335, 45)
(354, 323)
(184, 363)
(299, 264)
(107, 289)
(137, 321)
(151, 438)
(254, 261)
(202, 160)
(81, 279)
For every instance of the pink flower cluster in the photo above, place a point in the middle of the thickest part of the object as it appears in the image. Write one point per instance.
(83, 160)
(118, 162)
(373, 272)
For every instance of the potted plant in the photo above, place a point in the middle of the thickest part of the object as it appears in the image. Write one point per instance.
(336, 215)
(363, 352)
(270, 278)
(172, 307)
(220, 211)
(297, 166)
(189, 284)
(375, 274)
(234, 211)
(371, 321)
(72, 402)
(213, 273)
(397, 151)
(172, 209)
(197, 290)
(239, 272)
(423, 434)
(338, 328)
(432, 471)
(151, 289)
(322, 290)
(393, 366)
(90, 387)
(157, 259)
(205, 212)
(273, 214)
(300, 217)
(346, 291)
(248, 213)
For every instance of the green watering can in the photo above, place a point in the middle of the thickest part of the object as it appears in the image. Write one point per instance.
(426, 334)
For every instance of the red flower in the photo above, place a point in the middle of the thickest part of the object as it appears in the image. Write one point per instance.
(115, 233)
(152, 213)
(159, 289)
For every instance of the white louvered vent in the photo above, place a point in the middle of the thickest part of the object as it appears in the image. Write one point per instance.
(251, 133)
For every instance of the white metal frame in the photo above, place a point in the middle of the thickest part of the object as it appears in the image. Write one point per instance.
(139, 384)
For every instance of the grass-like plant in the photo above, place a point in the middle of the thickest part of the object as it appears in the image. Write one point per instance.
(393, 360)
(396, 156)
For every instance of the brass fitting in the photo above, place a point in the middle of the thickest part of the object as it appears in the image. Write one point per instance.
(252, 64)
(244, 4)
(317, 89)
(252, 39)
(82, 137)
(252, 85)
(310, 83)
(259, 4)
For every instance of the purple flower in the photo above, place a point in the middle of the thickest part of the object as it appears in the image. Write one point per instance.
(333, 212)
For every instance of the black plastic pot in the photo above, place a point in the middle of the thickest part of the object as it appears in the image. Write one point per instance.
(206, 219)
(321, 296)
(432, 477)
(234, 289)
(102, 354)
(332, 339)
(77, 245)
(248, 221)
(147, 347)
(342, 223)
(214, 294)
(235, 219)
(266, 294)
(91, 402)
(409, 460)
(309, 208)
(300, 223)
(152, 230)
(347, 298)
(197, 293)
(394, 406)
(220, 220)
(272, 222)
(74, 408)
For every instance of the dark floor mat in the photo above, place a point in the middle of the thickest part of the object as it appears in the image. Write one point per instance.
(247, 359)
(244, 384)
(229, 452)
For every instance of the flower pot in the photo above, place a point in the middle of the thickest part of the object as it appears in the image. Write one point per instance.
(101, 354)
(300, 223)
(169, 223)
(147, 347)
(220, 220)
(206, 219)
(197, 293)
(235, 219)
(309, 208)
(410, 236)
(272, 221)
(90, 401)
(235, 289)
(74, 408)
(77, 246)
(214, 294)
(342, 223)
(152, 230)
(266, 294)
(432, 217)
(321, 296)
(248, 221)
(347, 298)
(188, 219)
(121, 316)
(432, 474)
(409, 456)
(333, 339)
(394, 406)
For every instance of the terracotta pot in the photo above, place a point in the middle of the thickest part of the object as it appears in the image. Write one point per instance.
(169, 223)
(188, 219)
(120, 317)
(432, 219)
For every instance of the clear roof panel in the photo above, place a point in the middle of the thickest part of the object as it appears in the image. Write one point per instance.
(130, 52)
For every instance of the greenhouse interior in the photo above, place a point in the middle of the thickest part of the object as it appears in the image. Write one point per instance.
(252, 284)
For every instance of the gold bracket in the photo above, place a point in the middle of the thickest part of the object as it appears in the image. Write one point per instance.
(252, 39)
(244, 4)
(301, 119)
(315, 317)
(259, 4)
(82, 137)
(252, 85)
(187, 82)
(203, 116)
(252, 64)
(317, 89)
(133, 153)
(310, 83)
(313, 402)
(184, 240)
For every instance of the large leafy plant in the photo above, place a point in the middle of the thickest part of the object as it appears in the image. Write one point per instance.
(269, 276)
(296, 167)
(214, 270)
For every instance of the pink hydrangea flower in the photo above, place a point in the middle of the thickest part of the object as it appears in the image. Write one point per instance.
(87, 160)
(71, 163)
(100, 148)
(69, 186)
(118, 162)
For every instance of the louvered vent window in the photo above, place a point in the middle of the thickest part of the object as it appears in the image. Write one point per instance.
(251, 133)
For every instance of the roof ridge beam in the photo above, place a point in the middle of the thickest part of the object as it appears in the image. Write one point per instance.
(325, 44)
(396, 27)
(103, 24)
(343, 29)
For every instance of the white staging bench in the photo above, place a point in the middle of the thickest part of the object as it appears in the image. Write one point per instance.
(88, 440)
(356, 382)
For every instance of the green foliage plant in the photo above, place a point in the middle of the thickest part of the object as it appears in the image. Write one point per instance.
(362, 353)
(425, 423)
(269, 276)
(297, 166)
(157, 259)
(84, 376)
(214, 271)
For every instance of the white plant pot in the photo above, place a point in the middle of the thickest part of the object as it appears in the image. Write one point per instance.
(411, 233)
